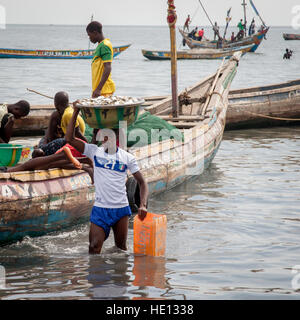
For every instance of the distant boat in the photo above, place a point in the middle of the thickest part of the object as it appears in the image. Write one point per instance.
(291, 36)
(196, 53)
(54, 54)
(254, 40)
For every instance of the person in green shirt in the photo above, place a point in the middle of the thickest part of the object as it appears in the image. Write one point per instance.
(102, 83)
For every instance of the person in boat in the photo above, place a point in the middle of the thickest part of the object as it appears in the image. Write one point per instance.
(8, 114)
(232, 39)
(187, 24)
(67, 158)
(58, 123)
(241, 32)
(216, 30)
(111, 208)
(288, 54)
(200, 34)
(193, 33)
(102, 83)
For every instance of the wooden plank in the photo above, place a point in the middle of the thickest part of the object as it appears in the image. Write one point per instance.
(183, 118)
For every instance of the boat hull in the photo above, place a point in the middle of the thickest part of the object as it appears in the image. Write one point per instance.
(290, 36)
(54, 54)
(194, 54)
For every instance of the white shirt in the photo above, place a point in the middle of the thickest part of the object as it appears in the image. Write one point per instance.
(110, 173)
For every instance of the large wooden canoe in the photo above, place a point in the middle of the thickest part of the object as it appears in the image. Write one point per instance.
(34, 203)
(291, 36)
(254, 40)
(195, 54)
(248, 108)
(53, 54)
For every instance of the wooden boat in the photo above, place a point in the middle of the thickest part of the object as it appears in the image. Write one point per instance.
(273, 105)
(54, 54)
(254, 40)
(260, 100)
(34, 203)
(290, 36)
(196, 53)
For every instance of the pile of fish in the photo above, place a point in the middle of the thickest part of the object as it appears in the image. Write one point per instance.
(108, 101)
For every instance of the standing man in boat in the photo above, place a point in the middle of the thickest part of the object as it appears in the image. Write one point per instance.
(102, 83)
(8, 114)
(187, 24)
(216, 30)
(111, 208)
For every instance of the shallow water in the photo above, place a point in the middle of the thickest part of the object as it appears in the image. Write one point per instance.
(233, 233)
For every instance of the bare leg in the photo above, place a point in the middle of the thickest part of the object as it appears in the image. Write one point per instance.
(120, 232)
(96, 238)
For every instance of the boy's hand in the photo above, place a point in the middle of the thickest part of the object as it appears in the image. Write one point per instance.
(75, 107)
(10, 119)
(142, 212)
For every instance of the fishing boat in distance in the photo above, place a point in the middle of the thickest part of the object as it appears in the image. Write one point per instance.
(254, 38)
(54, 54)
(291, 36)
(194, 54)
(33, 203)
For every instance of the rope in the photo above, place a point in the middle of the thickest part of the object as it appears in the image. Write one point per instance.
(269, 117)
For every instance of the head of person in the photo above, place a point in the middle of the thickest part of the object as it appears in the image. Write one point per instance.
(61, 101)
(20, 109)
(37, 152)
(94, 31)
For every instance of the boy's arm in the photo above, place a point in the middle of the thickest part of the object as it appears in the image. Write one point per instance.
(79, 135)
(52, 128)
(70, 136)
(105, 75)
(142, 212)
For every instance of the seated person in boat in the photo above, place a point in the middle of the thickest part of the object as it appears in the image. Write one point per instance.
(192, 33)
(65, 158)
(232, 39)
(200, 34)
(58, 123)
(8, 114)
(111, 208)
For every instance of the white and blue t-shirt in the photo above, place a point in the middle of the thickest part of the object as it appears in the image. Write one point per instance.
(110, 173)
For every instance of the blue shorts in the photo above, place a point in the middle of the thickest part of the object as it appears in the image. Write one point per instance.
(107, 217)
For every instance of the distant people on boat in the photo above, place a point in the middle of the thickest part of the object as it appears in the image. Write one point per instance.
(288, 54)
(216, 30)
(102, 83)
(200, 34)
(8, 114)
(232, 39)
(193, 33)
(241, 32)
(252, 28)
(187, 24)
(58, 123)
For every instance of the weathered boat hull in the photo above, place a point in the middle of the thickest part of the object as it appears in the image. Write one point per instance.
(272, 105)
(290, 36)
(254, 40)
(35, 203)
(195, 54)
(54, 54)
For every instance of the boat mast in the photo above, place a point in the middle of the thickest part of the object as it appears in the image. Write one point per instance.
(244, 4)
(218, 34)
(172, 18)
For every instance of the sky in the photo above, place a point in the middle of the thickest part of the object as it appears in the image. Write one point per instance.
(141, 12)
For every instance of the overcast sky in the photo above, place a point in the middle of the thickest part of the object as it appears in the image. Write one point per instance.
(140, 12)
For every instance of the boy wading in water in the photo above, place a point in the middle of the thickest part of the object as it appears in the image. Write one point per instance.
(111, 208)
